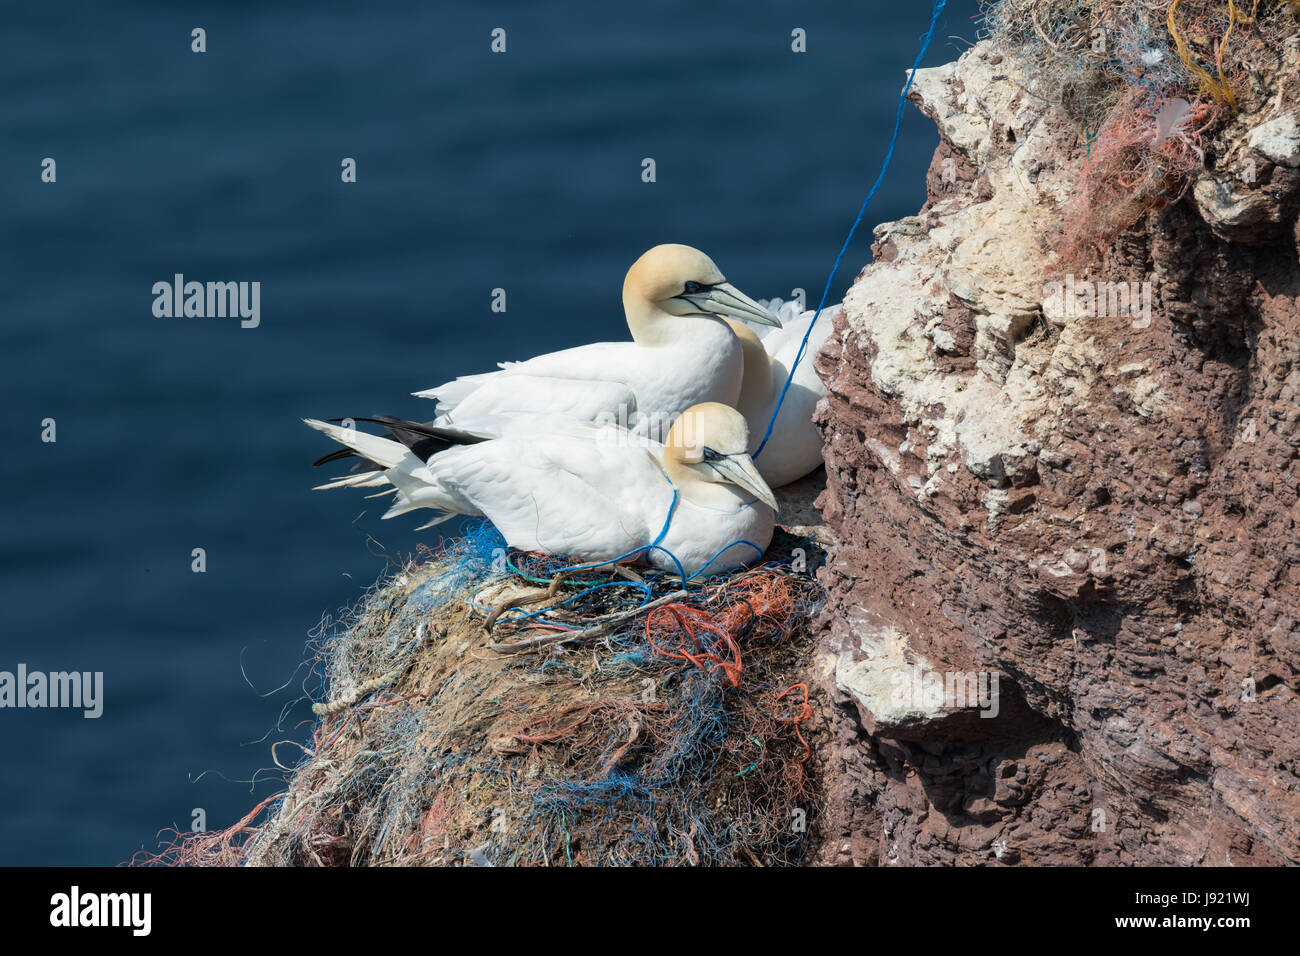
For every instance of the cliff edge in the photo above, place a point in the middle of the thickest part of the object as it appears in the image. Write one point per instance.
(1061, 454)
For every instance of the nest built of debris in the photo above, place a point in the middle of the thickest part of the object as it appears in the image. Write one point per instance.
(1149, 85)
(489, 707)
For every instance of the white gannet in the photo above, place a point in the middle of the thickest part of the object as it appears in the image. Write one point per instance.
(795, 446)
(488, 402)
(682, 353)
(593, 492)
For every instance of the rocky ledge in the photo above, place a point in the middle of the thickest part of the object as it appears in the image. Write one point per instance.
(1090, 513)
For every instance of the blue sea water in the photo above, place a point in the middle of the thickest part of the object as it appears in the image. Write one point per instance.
(476, 171)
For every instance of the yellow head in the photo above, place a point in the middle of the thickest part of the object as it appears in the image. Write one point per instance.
(676, 280)
(709, 445)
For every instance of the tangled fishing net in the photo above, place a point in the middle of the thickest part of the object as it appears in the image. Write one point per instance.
(486, 707)
(1147, 84)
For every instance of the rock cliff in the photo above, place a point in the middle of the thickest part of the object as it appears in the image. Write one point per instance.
(1076, 488)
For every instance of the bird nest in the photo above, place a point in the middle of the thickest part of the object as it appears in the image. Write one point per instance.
(484, 707)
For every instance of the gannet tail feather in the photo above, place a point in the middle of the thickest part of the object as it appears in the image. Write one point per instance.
(436, 521)
(366, 479)
(333, 456)
(424, 439)
(451, 434)
(400, 466)
(384, 452)
(454, 392)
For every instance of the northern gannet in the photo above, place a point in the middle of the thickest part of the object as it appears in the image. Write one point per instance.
(491, 400)
(795, 446)
(682, 353)
(593, 492)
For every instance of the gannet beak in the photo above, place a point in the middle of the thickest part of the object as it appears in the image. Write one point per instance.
(726, 301)
(741, 471)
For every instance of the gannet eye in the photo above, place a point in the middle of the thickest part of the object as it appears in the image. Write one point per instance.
(711, 455)
(692, 288)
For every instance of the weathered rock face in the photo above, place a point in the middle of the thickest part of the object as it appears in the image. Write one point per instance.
(1095, 505)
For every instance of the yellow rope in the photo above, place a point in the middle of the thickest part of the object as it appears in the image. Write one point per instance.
(1219, 88)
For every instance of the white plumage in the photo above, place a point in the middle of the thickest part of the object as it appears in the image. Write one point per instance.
(595, 493)
(682, 353)
(696, 339)
(795, 446)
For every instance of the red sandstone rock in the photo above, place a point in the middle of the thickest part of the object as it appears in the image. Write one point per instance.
(1100, 511)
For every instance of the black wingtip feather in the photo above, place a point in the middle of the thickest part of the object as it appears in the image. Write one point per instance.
(422, 439)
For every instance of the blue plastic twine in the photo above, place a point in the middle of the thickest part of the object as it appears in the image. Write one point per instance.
(893, 141)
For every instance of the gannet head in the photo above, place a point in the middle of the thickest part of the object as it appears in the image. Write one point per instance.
(676, 280)
(709, 443)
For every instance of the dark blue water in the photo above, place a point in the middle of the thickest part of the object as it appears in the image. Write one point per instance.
(475, 171)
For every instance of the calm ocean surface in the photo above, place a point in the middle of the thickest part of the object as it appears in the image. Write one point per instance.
(475, 171)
